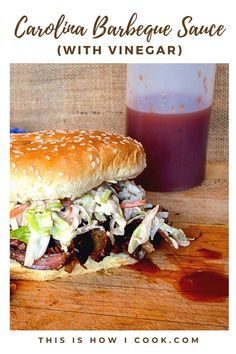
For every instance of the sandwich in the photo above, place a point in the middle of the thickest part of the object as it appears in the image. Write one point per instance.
(74, 207)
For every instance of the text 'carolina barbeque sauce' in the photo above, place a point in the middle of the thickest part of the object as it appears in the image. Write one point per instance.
(175, 143)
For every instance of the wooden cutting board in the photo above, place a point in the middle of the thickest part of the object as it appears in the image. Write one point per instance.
(185, 289)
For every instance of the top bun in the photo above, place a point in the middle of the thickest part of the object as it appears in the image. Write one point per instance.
(60, 164)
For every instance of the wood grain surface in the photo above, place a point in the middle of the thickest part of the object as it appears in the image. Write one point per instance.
(151, 297)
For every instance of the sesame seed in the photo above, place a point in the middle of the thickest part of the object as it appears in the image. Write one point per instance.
(51, 133)
(89, 149)
(24, 171)
(90, 157)
(93, 164)
(36, 172)
(15, 170)
(13, 165)
(98, 160)
(44, 148)
(47, 157)
(61, 174)
(36, 142)
(55, 149)
(64, 144)
(72, 147)
(114, 142)
(39, 178)
(31, 168)
(82, 144)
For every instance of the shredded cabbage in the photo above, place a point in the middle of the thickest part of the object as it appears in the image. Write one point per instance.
(62, 231)
(105, 195)
(152, 222)
(14, 223)
(53, 205)
(176, 236)
(63, 222)
(22, 234)
(142, 233)
(130, 191)
(40, 226)
(87, 202)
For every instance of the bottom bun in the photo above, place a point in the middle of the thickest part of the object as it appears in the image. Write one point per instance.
(113, 261)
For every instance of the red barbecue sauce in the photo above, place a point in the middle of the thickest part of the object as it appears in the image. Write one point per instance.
(207, 253)
(146, 267)
(204, 286)
(200, 286)
(175, 143)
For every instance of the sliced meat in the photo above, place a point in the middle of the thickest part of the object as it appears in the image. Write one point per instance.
(17, 243)
(46, 262)
(101, 244)
(66, 201)
(147, 247)
(122, 242)
(82, 247)
(51, 261)
(14, 242)
(71, 265)
(17, 254)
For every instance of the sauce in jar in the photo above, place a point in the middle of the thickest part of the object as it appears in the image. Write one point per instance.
(175, 143)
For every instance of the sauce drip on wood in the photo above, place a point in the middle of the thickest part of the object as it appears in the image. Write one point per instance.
(204, 286)
(207, 253)
(146, 266)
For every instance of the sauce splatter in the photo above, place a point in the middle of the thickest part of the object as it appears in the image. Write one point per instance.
(201, 286)
(207, 253)
(204, 286)
(146, 266)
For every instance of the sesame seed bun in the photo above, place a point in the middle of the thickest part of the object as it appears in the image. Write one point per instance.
(60, 164)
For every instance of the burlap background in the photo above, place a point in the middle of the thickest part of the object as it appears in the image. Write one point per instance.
(92, 96)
